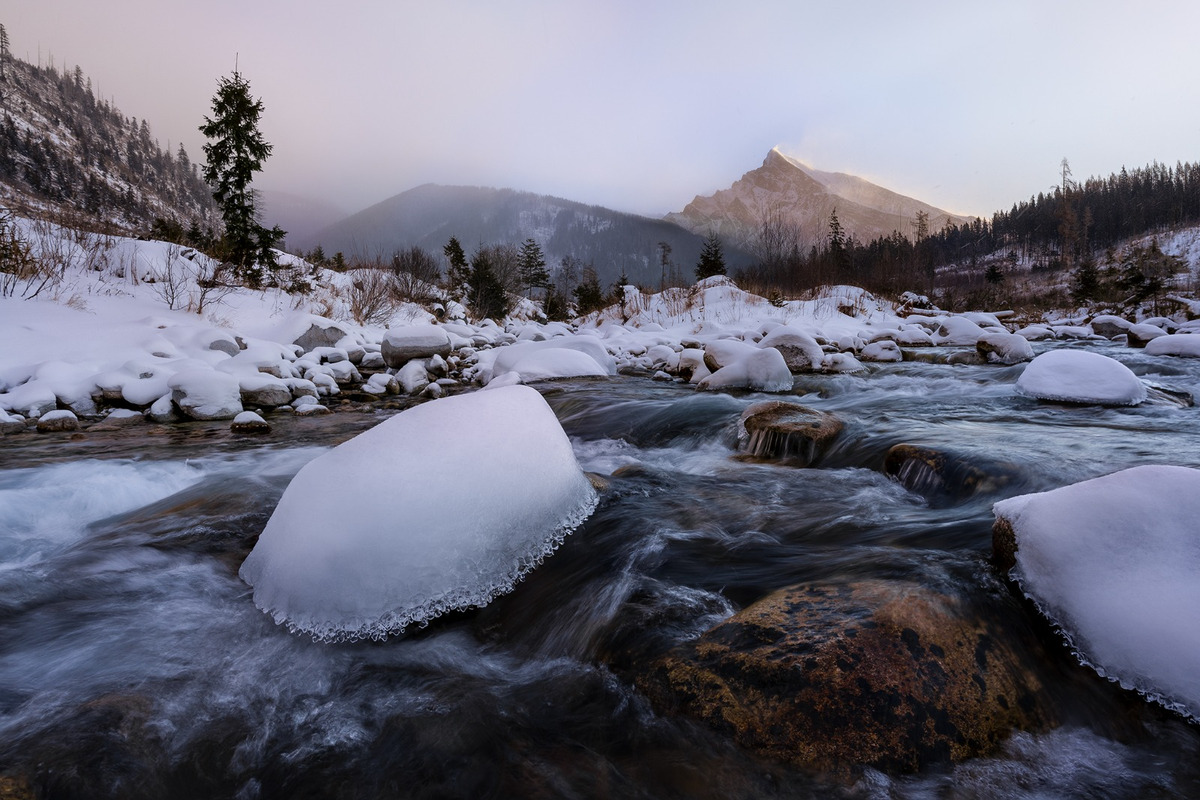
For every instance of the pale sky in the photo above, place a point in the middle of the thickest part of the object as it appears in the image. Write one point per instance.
(640, 106)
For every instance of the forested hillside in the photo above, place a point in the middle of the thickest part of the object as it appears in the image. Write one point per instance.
(65, 151)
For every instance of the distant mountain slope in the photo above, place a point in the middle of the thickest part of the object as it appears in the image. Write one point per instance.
(64, 151)
(429, 215)
(300, 216)
(799, 195)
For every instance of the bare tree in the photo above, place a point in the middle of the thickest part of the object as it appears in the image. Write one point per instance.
(416, 274)
(171, 282)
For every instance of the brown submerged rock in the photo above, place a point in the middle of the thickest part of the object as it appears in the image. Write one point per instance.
(777, 430)
(879, 673)
(942, 477)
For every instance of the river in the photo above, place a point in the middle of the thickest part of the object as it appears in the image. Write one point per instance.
(134, 664)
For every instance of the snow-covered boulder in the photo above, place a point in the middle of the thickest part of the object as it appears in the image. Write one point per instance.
(264, 391)
(1141, 334)
(412, 377)
(249, 422)
(543, 360)
(1113, 562)
(56, 421)
(762, 370)
(1080, 376)
(555, 363)
(11, 423)
(1109, 325)
(1175, 344)
(842, 363)
(799, 350)
(884, 350)
(401, 345)
(454, 502)
(957, 331)
(722, 352)
(320, 333)
(1004, 348)
(206, 394)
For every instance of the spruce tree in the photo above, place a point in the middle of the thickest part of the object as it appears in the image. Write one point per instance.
(458, 274)
(487, 298)
(712, 259)
(235, 151)
(532, 265)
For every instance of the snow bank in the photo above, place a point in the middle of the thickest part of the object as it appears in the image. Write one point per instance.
(1080, 376)
(1113, 561)
(442, 507)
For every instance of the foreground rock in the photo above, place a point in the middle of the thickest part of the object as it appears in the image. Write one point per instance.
(1113, 562)
(887, 674)
(787, 432)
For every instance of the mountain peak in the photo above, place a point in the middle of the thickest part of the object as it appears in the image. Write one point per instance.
(804, 198)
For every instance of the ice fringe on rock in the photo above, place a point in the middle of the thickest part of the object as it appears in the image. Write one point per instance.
(442, 507)
(1113, 562)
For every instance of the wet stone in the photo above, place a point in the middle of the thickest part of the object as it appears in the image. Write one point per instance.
(943, 478)
(779, 431)
(882, 673)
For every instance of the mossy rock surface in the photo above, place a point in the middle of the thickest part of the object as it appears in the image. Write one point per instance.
(881, 673)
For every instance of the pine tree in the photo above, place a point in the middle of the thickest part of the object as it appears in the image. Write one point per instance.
(235, 151)
(712, 259)
(532, 265)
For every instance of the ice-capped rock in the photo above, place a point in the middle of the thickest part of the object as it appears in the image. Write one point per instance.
(1080, 376)
(1113, 562)
(455, 501)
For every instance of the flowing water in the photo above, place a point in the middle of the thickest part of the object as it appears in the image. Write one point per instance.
(134, 664)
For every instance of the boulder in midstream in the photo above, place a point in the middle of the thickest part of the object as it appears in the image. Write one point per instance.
(777, 430)
(889, 674)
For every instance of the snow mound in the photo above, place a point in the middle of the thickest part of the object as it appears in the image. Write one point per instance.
(1113, 562)
(1079, 376)
(442, 507)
